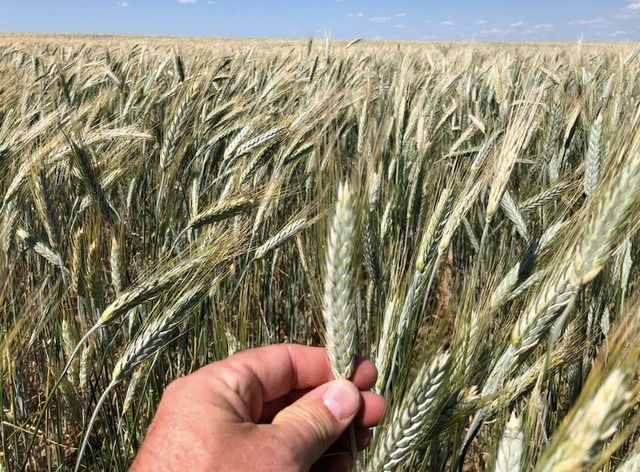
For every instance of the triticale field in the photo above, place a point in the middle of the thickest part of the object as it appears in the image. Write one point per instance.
(465, 215)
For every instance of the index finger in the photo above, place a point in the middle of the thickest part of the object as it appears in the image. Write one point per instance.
(280, 368)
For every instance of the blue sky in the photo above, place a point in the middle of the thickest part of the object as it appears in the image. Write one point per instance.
(514, 20)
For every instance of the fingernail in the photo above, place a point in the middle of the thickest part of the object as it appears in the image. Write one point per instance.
(342, 399)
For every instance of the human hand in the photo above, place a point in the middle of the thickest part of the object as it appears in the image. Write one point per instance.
(274, 408)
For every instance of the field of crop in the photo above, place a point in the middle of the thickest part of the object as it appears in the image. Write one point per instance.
(167, 202)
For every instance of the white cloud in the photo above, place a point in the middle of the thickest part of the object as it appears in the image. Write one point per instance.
(618, 33)
(429, 37)
(633, 6)
(400, 14)
(544, 26)
(448, 23)
(355, 15)
(517, 24)
(380, 19)
(491, 31)
(187, 1)
(481, 22)
(594, 22)
(426, 22)
(376, 38)
(122, 4)
(399, 26)
(211, 3)
(339, 1)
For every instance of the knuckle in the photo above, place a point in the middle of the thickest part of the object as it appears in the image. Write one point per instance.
(175, 390)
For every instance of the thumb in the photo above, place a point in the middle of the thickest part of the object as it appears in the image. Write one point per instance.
(314, 422)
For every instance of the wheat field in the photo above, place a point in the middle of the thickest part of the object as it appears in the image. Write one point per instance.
(167, 202)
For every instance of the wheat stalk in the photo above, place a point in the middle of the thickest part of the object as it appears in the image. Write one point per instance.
(510, 209)
(589, 427)
(632, 464)
(222, 210)
(592, 162)
(150, 340)
(281, 237)
(608, 220)
(549, 195)
(338, 287)
(510, 449)
(412, 418)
